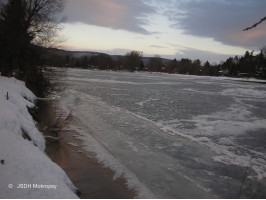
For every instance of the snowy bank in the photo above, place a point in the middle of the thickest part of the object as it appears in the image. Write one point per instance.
(25, 170)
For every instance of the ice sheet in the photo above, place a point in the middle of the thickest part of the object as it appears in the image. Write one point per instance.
(195, 126)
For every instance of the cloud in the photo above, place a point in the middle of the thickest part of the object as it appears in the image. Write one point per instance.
(192, 53)
(126, 15)
(157, 46)
(222, 20)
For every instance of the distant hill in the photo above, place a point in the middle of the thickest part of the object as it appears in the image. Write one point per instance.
(78, 54)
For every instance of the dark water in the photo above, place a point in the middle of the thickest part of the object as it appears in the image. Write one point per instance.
(93, 180)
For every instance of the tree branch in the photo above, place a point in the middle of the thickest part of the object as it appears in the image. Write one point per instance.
(253, 26)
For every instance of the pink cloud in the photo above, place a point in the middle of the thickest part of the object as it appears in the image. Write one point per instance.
(116, 14)
(109, 13)
(250, 36)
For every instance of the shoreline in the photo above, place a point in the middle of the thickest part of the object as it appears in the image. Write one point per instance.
(91, 178)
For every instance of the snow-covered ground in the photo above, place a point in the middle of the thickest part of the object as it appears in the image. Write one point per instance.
(171, 136)
(23, 161)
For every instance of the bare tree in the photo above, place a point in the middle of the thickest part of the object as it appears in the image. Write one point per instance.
(37, 18)
(133, 60)
(155, 64)
(42, 21)
(25, 27)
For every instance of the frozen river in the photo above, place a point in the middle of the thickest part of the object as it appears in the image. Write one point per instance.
(172, 136)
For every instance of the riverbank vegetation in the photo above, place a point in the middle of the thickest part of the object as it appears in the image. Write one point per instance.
(248, 65)
(27, 28)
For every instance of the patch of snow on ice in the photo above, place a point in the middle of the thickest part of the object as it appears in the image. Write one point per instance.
(146, 101)
(244, 92)
(73, 144)
(100, 80)
(223, 128)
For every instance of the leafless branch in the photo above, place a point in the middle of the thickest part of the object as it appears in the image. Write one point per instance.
(254, 25)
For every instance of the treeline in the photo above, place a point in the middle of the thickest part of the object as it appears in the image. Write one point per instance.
(132, 61)
(248, 65)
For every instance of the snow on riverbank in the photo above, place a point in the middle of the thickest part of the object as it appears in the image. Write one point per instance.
(22, 146)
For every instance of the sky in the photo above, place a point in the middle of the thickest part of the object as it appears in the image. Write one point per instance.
(195, 29)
